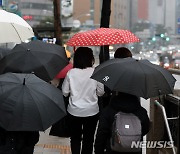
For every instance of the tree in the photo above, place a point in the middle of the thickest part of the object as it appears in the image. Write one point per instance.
(57, 22)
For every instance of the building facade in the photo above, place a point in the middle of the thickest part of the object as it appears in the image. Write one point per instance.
(164, 12)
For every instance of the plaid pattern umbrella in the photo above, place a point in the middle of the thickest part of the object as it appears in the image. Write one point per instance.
(102, 36)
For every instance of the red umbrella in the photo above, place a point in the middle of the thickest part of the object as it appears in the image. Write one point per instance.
(101, 37)
(63, 72)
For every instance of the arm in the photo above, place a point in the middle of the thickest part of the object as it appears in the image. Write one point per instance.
(100, 89)
(66, 86)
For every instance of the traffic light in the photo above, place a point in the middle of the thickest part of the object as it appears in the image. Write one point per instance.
(162, 35)
(154, 39)
(167, 38)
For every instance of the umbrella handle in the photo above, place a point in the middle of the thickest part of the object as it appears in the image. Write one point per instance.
(74, 48)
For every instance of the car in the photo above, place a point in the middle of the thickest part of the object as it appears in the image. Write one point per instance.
(165, 62)
(176, 64)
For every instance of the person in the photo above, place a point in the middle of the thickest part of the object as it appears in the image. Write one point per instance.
(122, 52)
(83, 106)
(18, 142)
(118, 102)
(121, 102)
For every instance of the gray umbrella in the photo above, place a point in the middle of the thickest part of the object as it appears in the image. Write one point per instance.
(44, 59)
(29, 103)
(3, 52)
(136, 77)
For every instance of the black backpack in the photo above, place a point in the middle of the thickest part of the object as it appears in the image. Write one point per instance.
(126, 129)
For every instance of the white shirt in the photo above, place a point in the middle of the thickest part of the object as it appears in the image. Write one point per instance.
(83, 91)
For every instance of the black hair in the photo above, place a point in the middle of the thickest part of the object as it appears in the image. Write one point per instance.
(83, 58)
(122, 52)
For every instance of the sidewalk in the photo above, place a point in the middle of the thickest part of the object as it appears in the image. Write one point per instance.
(57, 145)
(52, 145)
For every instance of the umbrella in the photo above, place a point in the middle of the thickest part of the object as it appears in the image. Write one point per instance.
(13, 28)
(136, 77)
(3, 52)
(44, 59)
(101, 37)
(29, 103)
(63, 72)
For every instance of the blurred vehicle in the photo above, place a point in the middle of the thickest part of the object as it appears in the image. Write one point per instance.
(166, 63)
(111, 54)
(176, 64)
(138, 56)
(153, 58)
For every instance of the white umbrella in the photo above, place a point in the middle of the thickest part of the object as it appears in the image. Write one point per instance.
(13, 28)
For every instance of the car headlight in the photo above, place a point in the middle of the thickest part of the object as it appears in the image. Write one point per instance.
(166, 65)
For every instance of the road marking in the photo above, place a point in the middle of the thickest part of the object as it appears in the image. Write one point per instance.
(63, 149)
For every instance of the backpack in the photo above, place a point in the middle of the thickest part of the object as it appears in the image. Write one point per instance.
(126, 129)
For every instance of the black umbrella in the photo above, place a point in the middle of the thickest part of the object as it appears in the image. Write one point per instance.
(28, 103)
(44, 59)
(136, 77)
(3, 52)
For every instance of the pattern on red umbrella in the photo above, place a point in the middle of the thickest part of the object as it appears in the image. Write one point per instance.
(102, 36)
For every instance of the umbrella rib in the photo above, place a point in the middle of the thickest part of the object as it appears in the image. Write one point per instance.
(8, 92)
(49, 98)
(161, 75)
(16, 32)
(144, 77)
(37, 105)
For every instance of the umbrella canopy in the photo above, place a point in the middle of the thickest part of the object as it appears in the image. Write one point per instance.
(13, 28)
(44, 59)
(4, 52)
(29, 103)
(63, 72)
(136, 77)
(101, 37)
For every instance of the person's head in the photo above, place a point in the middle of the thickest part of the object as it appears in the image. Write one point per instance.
(83, 58)
(122, 52)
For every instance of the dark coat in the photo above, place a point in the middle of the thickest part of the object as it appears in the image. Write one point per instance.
(125, 103)
(17, 142)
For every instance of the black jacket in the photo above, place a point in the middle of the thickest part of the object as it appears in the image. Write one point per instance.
(125, 103)
(22, 142)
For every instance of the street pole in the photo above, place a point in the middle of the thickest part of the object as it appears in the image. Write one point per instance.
(57, 22)
(105, 19)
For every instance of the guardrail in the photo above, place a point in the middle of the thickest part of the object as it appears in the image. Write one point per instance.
(167, 124)
(174, 71)
(164, 114)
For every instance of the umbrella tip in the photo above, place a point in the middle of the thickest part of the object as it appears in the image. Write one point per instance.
(24, 82)
(28, 49)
